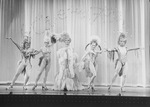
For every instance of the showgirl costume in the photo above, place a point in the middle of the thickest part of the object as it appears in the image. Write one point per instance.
(46, 52)
(88, 61)
(26, 58)
(66, 77)
(122, 59)
(45, 58)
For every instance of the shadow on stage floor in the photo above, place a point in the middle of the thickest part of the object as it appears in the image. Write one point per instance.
(101, 97)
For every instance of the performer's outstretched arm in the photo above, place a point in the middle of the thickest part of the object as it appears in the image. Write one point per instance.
(36, 52)
(133, 49)
(18, 46)
(111, 50)
(99, 52)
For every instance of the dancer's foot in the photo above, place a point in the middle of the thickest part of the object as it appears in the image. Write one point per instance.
(9, 87)
(44, 88)
(109, 88)
(89, 86)
(93, 89)
(24, 88)
(34, 87)
(122, 90)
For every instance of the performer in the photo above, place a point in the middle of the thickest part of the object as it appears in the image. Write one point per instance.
(45, 60)
(88, 61)
(121, 63)
(24, 65)
(66, 78)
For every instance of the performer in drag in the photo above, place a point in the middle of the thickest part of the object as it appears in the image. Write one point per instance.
(24, 65)
(121, 63)
(45, 59)
(88, 61)
(66, 78)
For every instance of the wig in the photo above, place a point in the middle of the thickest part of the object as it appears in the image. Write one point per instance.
(122, 36)
(64, 36)
(94, 39)
(26, 39)
(23, 44)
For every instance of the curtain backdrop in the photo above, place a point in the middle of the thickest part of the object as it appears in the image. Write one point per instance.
(11, 20)
(81, 19)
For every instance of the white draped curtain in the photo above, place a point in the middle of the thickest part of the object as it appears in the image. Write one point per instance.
(81, 19)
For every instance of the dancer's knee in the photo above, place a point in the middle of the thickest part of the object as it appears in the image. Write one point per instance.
(17, 74)
(116, 74)
(28, 75)
(94, 76)
(39, 74)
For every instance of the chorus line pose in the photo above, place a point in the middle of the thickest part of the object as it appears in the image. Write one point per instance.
(88, 61)
(66, 78)
(45, 59)
(24, 65)
(121, 64)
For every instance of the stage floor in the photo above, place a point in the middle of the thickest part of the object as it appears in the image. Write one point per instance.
(99, 91)
(17, 97)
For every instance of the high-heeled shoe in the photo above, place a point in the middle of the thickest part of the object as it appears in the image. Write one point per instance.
(44, 88)
(89, 87)
(34, 87)
(109, 88)
(24, 88)
(9, 87)
(93, 89)
(122, 90)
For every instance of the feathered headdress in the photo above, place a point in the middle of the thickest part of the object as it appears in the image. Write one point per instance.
(53, 38)
(27, 37)
(46, 39)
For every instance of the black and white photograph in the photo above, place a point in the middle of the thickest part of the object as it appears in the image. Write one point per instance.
(78, 53)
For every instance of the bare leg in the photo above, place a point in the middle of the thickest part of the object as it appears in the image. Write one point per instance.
(19, 70)
(123, 82)
(124, 76)
(92, 82)
(40, 73)
(93, 70)
(25, 82)
(46, 74)
(89, 80)
(27, 75)
(118, 67)
(113, 80)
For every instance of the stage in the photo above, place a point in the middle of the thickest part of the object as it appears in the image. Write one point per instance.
(133, 96)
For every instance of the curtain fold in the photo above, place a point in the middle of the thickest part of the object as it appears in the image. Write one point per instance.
(81, 19)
